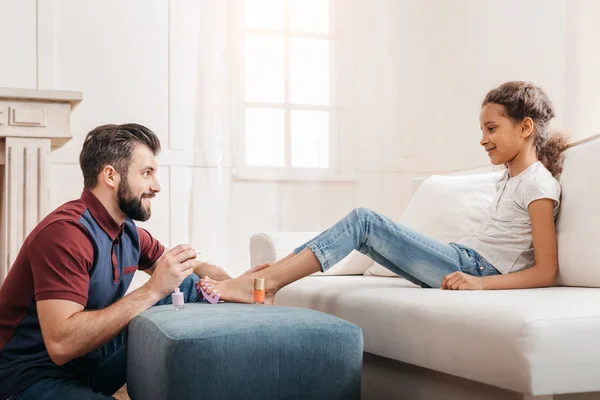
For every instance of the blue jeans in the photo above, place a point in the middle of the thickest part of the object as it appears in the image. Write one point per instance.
(110, 375)
(418, 258)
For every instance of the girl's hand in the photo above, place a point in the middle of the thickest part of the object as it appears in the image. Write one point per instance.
(461, 281)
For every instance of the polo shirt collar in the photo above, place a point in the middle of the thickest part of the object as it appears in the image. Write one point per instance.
(101, 214)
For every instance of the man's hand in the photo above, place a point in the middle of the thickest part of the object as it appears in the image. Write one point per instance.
(461, 281)
(172, 268)
(256, 268)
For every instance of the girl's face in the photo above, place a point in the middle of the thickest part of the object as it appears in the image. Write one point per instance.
(503, 139)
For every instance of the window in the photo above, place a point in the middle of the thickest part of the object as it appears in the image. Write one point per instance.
(286, 84)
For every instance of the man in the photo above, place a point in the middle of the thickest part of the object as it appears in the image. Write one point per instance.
(63, 312)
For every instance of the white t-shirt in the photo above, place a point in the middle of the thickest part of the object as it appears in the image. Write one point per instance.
(505, 238)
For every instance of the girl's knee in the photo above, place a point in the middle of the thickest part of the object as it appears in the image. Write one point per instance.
(363, 213)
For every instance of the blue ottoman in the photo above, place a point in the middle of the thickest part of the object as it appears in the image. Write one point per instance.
(235, 351)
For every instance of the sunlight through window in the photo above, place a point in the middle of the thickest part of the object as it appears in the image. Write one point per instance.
(287, 84)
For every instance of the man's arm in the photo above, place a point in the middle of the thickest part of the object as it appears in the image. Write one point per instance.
(150, 249)
(207, 269)
(203, 269)
(69, 332)
(214, 272)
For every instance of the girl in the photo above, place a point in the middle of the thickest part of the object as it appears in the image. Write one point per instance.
(516, 247)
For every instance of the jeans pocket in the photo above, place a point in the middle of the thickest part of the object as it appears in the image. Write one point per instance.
(487, 269)
(471, 269)
(472, 263)
(467, 259)
(482, 267)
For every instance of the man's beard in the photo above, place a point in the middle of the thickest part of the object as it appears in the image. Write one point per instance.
(132, 206)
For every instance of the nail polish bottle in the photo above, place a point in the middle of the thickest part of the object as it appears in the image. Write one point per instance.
(259, 291)
(177, 298)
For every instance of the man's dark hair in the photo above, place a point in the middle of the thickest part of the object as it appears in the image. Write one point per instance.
(112, 145)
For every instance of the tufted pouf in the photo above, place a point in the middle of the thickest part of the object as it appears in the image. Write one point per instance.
(236, 351)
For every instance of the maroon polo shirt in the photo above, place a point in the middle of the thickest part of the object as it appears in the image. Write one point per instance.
(77, 253)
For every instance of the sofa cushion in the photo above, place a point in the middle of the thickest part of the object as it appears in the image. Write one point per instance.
(447, 208)
(537, 341)
(578, 223)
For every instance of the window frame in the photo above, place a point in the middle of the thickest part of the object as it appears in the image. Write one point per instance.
(239, 104)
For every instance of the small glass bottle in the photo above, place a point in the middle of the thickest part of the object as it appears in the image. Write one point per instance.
(177, 298)
(259, 291)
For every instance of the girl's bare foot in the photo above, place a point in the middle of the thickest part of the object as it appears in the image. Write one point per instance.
(237, 290)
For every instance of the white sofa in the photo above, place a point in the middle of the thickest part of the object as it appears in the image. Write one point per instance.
(433, 344)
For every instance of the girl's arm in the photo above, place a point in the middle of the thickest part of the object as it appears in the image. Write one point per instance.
(545, 248)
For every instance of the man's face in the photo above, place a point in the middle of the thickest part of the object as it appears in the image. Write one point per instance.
(139, 184)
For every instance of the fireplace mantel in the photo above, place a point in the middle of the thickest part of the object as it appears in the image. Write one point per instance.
(32, 124)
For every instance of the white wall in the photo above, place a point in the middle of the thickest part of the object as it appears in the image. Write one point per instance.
(18, 63)
(582, 103)
(460, 50)
(130, 61)
(116, 53)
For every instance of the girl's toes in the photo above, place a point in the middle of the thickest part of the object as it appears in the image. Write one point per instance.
(205, 286)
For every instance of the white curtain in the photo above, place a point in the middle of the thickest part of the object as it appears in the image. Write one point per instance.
(368, 74)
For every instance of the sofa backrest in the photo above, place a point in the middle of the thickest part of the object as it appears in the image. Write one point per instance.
(578, 224)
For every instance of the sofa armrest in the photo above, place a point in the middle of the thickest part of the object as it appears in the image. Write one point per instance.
(273, 246)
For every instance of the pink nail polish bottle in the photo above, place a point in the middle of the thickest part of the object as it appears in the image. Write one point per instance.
(177, 298)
